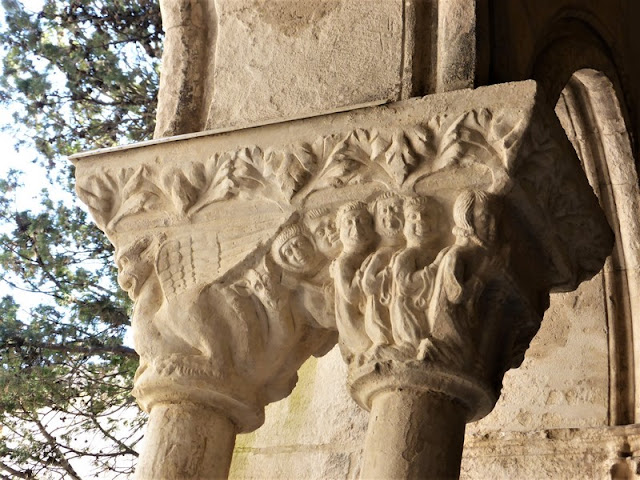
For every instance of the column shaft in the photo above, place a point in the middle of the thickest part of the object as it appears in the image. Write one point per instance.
(186, 442)
(414, 435)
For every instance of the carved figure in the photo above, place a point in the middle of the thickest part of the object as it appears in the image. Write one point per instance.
(413, 273)
(136, 275)
(305, 273)
(323, 227)
(376, 277)
(356, 234)
(294, 250)
(461, 276)
(135, 263)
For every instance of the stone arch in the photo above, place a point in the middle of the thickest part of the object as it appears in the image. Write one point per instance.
(592, 115)
(571, 43)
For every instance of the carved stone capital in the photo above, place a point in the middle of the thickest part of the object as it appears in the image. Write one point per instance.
(433, 314)
(232, 342)
(427, 233)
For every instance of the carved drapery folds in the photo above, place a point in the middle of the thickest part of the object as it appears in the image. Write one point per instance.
(427, 233)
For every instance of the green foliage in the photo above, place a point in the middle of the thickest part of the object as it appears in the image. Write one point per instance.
(78, 74)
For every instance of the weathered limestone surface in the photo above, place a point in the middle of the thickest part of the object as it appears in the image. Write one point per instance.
(594, 453)
(563, 388)
(189, 27)
(317, 426)
(246, 251)
(187, 441)
(589, 104)
(235, 63)
(564, 379)
(545, 393)
(316, 433)
(300, 58)
(456, 53)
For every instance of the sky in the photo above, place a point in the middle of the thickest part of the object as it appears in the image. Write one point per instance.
(28, 198)
(33, 178)
(24, 158)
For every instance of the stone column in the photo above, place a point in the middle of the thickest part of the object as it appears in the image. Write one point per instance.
(426, 233)
(187, 442)
(413, 432)
(440, 286)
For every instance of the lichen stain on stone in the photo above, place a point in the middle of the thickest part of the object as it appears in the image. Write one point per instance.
(241, 454)
(293, 18)
(301, 397)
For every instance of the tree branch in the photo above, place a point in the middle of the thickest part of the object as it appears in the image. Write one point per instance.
(88, 350)
(62, 460)
(14, 472)
(124, 448)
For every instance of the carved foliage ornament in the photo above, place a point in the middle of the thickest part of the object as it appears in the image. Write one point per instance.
(406, 228)
(397, 159)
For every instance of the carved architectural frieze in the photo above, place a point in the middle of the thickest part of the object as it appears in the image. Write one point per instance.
(397, 159)
(427, 234)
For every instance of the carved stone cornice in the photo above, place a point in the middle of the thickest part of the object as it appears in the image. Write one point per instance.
(428, 233)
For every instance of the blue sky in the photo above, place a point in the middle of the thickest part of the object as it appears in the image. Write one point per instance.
(33, 178)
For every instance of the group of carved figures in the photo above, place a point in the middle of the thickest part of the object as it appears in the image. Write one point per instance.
(398, 294)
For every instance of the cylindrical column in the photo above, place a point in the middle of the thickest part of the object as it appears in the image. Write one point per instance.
(414, 435)
(186, 442)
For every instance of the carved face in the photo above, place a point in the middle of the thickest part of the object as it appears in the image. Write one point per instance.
(389, 218)
(298, 253)
(326, 236)
(126, 277)
(484, 223)
(134, 267)
(356, 230)
(420, 222)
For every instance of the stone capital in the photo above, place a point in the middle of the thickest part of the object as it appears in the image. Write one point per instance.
(427, 233)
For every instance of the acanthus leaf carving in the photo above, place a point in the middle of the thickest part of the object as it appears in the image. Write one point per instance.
(274, 238)
(297, 166)
(114, 196)
(217, 183)
(400, 157)
(353, 153)
(321, 172)
(138, 194)
(182, 186)
(397, 159)
(97, 193)
(250, 168)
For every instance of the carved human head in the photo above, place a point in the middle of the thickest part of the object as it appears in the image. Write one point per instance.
(474, 217)
(294, 250)
(422, 217)
(387, 211)
(355, 225)
(322, 226)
